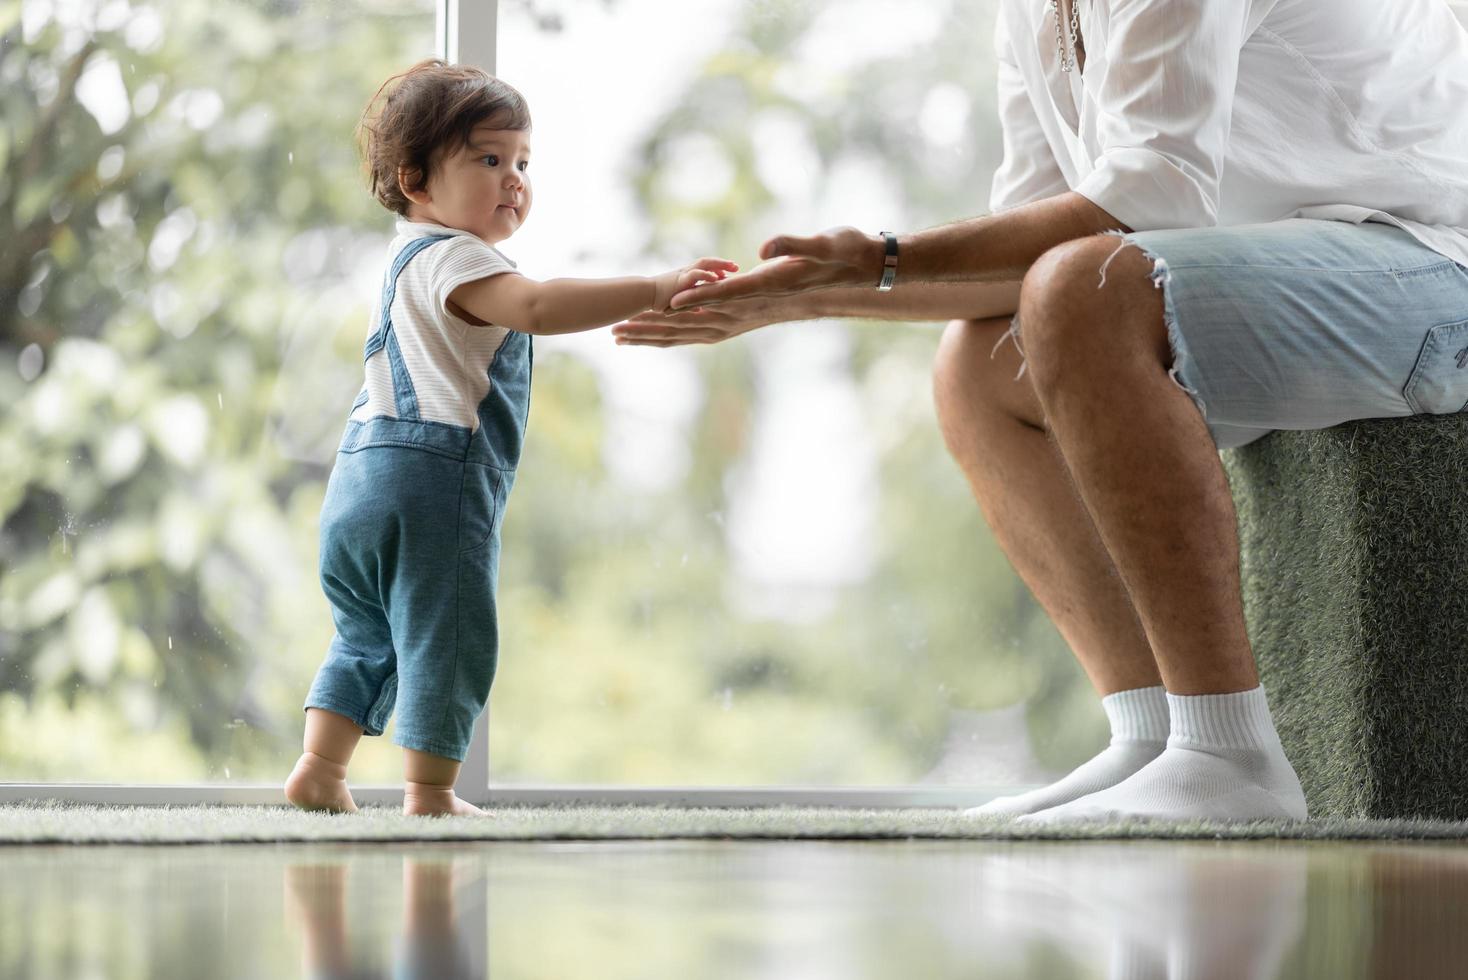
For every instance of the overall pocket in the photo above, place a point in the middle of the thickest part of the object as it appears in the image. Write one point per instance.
(479, 506)
(1439, 381)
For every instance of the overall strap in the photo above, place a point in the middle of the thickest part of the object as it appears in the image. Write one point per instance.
(384, 336)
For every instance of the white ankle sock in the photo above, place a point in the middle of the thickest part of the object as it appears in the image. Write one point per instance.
(1138, 735)
(1223, 761)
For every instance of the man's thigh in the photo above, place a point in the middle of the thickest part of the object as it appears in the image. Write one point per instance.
(1304, 324)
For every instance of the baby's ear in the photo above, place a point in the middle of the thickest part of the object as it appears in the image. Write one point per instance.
(410, 182)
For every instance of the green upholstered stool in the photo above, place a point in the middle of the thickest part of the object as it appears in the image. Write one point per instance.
(1354, 544)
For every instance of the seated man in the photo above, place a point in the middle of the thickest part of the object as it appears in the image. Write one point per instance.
(1230, 218)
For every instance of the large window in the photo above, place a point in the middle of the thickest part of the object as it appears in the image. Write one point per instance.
(751, 563)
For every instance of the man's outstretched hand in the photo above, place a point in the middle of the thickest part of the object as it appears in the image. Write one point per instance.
(707, 326)
(836, 257)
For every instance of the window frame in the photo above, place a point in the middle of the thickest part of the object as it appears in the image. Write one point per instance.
(466, 32)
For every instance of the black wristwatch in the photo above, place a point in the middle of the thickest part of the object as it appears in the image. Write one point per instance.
(889, 265)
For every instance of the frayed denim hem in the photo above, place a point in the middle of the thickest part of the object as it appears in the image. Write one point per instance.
(1012, 334)
(1161, 277)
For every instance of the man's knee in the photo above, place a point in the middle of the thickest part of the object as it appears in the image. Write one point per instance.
(979, 369)
(1082, 293)
(963, 363)
(1067, 278)
(966, 346)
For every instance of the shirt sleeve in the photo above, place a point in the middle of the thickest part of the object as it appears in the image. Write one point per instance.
(459, 260)
(1029, 171)
(1164, 106)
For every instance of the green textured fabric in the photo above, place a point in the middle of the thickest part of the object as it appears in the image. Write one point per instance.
(1353, 543)
(38, 823)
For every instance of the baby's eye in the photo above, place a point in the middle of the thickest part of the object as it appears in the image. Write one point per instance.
(492, 160)
(524, 165)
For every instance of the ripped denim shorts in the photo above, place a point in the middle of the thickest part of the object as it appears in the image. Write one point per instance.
(1304, 324)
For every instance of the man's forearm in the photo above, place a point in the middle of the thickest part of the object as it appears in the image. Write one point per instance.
(968, 269)
(915, 301)
(999, 248)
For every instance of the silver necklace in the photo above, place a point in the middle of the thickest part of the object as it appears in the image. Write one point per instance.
(1066, 61)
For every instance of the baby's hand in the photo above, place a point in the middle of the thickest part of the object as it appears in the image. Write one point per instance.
(670, 284)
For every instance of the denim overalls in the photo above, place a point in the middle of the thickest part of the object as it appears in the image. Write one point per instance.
(410, 544)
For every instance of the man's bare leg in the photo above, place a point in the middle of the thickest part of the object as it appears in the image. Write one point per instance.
(995, 429)
(1149, 475)
(319, 780)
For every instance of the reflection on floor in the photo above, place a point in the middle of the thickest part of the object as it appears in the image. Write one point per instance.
(714, 909)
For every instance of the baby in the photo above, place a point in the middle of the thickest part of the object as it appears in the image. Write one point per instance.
(410, 527)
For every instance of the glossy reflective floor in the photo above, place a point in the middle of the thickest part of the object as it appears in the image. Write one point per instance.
(713, 909)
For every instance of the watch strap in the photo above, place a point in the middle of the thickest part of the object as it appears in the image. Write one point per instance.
(889, 263)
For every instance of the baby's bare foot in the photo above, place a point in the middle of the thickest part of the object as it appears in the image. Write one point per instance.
(424, 799)
(318, 783)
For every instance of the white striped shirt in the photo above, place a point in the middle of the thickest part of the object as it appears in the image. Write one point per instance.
(447, 357)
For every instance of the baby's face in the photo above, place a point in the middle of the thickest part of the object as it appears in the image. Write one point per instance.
(484, 187)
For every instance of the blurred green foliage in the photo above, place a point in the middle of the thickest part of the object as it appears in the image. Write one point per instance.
(180, 327)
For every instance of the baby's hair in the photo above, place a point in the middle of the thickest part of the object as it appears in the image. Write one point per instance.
(430, 108)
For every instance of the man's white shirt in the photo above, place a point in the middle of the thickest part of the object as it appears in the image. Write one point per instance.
(1193, 113)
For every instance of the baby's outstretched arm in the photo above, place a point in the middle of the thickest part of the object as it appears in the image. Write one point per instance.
(571, 305)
